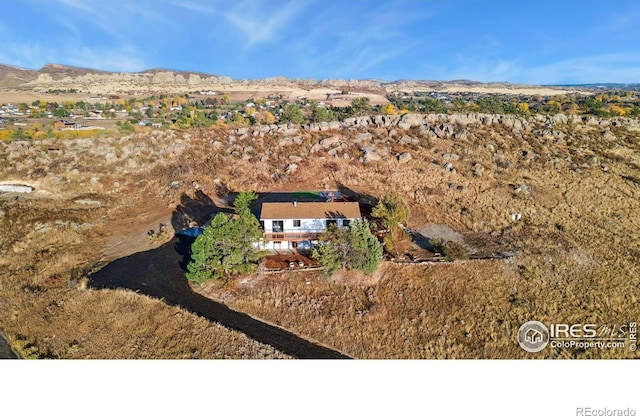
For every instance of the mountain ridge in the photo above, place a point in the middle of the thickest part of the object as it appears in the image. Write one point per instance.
(163, 80)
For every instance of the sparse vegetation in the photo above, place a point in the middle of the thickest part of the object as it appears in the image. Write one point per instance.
(451, 250)
(125, 127)
(575, 239)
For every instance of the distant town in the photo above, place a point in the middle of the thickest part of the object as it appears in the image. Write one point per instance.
(49, 118)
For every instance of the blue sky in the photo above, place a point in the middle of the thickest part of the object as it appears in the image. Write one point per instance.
(537, 42)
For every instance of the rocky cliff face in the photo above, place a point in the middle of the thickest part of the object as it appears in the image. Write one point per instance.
(127, 81)
(171, 80)
(53, 76)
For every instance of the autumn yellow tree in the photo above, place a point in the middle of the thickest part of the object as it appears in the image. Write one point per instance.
(388, 109)
(249, 110)
(265, 117)
(523, 108)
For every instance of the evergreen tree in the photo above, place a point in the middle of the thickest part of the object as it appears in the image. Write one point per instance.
(327, 255)
(360, 106)
(227, 245)
(391, 209)
(292, 113)
(352, 248)
(365, 251)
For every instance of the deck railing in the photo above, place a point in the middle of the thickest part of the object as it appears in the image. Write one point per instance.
(291, 236)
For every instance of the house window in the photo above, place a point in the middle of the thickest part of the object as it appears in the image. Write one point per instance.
(296, 223)
(277, 226)
(334, 222)
(345, 223)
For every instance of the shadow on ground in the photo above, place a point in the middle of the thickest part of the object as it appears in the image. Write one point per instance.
(160, 273)
(5, 350)
(421, 241)
(195, 209)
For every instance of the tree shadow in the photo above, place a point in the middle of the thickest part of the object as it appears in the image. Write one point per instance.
(6, 352)
(365, 200)
(160, 274)
(195, 210)
(421, 241)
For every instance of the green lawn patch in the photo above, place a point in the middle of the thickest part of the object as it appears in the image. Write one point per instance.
(306, 196)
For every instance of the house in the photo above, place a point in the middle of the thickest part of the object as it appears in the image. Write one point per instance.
(533, 336)
(66, 124)
(297, 225)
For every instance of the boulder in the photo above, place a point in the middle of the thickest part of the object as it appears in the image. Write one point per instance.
(410, 120)
(290, 132)
(330, 141)
(363, 121)
(334, 151)
(285, 142)
(461, 134)
(291, 168)
(408, 140)
(370, 154)
(316, 148)
(361, 138)
(404, 157)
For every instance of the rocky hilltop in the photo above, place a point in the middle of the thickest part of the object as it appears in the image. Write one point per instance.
(90, 81)
(560, 193)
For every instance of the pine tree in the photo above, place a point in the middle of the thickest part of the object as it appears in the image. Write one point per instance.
(365, 251)
(227, 245)
(355, 248)
(391, 209)
(328, 257)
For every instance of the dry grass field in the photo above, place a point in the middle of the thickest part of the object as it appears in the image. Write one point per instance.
(575, 186)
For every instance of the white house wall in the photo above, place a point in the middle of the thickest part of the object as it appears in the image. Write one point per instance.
(306, 225)
(275, 245)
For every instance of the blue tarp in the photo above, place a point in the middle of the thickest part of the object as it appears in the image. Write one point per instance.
(191, 232)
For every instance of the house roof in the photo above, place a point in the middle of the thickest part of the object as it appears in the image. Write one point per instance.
(309, 210)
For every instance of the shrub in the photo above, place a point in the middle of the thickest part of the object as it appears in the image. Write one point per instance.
(125, 127)
(391, 209)
(355, 248)
(451, 250)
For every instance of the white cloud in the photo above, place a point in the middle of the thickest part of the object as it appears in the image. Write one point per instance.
(257, 21)
(258, 25)
(108, 59)
(26, 55)
(79, 4)
(621, 20)
(338, 45)
(610, 68)
(616, 68)
(193, 6)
